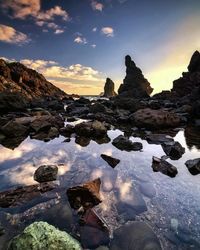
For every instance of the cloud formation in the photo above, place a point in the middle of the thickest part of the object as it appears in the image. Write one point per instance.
(80, 40)
(97, 6)
(10, 35)
(107, 31)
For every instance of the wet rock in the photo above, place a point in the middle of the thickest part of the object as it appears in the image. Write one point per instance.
(85, 196)
(150, 118)
(12, 142)
(40, 235)
(158, 138)
(102, 140)
(71, 119)
(53, 133)
(173, 149)
(21, 195)
(45, 122)
(160, 165)
(122, 143)
(46, 173)
(134, 84)
(14, 129)
(67, 130)
(193, 166)
(97, 108)
(93, 231)
(82, 141)
(90, 129)
(109, 88)
(110, 160)
(2, 230)
(135, 236)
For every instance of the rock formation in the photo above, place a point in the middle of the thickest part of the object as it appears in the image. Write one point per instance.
(189, 83)
(17, 78)
(134, 84)
(109, 88)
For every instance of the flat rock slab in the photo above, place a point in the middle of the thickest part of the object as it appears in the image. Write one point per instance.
(158, 138)
(123, 143)
(135, 236)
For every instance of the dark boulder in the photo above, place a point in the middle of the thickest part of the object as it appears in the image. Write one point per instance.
(158, 138)
(46, 173)
(193, 166)
(173, 149)
(14, 129)
(110, 160)
(122, 143)
(160, 165)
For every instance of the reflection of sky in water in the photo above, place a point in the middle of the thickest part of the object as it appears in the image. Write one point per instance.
(178, 197)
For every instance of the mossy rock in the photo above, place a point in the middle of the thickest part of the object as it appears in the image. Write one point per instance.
(42, 236)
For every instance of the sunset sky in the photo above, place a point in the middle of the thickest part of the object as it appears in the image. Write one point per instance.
(76, 44)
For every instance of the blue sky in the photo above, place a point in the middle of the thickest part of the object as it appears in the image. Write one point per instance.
(76, 44)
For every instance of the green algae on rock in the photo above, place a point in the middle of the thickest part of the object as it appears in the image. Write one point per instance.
(42, 236)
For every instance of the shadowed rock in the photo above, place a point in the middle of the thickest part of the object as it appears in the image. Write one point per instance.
(109, 88)
(85, 196)
(173, 149)
(193, 166)
(46, 173)
(122, 143)
(160, 165)
(134, 84)
(110, 160)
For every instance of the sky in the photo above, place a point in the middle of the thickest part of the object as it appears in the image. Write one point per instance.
(77, 44)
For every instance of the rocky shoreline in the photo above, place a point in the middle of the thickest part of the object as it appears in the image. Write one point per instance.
(132, 111)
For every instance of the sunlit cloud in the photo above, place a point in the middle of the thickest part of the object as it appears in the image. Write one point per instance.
(80, 40)
(107, 31)
(10, 35)
(94, 29)
(97, 6)
(93, 46)
(59, 31)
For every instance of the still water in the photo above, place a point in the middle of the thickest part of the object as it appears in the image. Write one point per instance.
(131, 191)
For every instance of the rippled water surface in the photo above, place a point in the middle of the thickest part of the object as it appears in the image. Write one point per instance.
(172, 204)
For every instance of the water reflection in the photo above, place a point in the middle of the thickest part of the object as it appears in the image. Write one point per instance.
(124, 190)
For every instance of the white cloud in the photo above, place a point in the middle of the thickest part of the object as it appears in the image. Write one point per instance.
(59, 31)
(10, 35)
(108, 31)
(94, 29)
(97, 6)
(80, 40)
(52, 70)
(51, 13)
(93, 46)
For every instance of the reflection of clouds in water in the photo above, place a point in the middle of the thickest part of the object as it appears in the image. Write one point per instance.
(108, 151)
(125, 190)
(97, 173)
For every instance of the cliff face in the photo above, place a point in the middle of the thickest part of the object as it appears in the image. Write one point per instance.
(189, 83)
(134, 84)
(17, 78)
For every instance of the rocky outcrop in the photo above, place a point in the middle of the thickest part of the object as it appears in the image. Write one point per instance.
(134, 84)
(155, 118)
(123, 143)
(41, 235)
(109, 88)
(46, 173)
(189, 83)
(160, 165)
(15, 77)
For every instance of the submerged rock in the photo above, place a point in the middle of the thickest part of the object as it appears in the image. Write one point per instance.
(93, 231)
(122, 143)
(135, 236)
(20, 195)
(40, 236)
(160, 165)
(46, 173)
(85, 196)
(110, 160)
(109, 88)
(173, 149)
(193, 166)
(158, 138)
(151, 118)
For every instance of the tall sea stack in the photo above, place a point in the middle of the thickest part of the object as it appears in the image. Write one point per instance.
(109, 88)
(134, 84)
